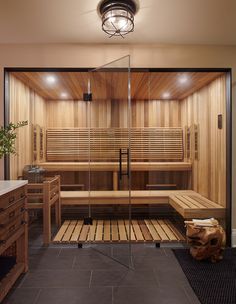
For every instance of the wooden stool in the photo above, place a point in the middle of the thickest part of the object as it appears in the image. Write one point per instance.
(44, 196)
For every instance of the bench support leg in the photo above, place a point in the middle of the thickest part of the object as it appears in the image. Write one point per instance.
(158, 245)
(115, 180)
(80, 245)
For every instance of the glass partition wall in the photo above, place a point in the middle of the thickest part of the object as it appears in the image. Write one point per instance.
(108, 116)
(80, 128)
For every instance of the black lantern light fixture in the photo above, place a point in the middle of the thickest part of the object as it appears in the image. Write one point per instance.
(117, 16)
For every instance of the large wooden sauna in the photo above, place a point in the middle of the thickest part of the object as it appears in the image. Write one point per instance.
(133, 164)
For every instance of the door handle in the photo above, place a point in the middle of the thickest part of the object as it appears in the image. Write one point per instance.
(120, 163)
(128, 155)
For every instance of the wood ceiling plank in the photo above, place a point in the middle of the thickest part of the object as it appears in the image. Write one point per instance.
(107, 85)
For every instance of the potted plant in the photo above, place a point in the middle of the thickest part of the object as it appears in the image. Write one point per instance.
(8, 136)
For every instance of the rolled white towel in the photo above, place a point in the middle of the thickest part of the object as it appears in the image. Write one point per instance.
(211, 222)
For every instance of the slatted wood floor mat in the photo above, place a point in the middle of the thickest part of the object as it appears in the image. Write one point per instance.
(152, 230)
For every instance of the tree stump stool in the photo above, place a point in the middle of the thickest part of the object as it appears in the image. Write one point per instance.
(206, 238)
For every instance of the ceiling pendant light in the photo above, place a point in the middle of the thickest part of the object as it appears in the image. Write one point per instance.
(117, 16)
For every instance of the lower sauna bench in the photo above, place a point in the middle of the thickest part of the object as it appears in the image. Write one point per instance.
(194, 205)
(106, 231)
(189, 204)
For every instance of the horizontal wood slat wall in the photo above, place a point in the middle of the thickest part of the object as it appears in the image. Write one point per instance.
(209, 168)
(113, 114)
(24, 105)
(152, 144)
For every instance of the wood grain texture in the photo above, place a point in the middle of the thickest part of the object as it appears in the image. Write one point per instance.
(202, 109)
(103, 144)
(24, 105)
(120, 197)
(114, 166)
(105, 85)
(44, 196)
(20, 110)
(196, 206)
(14, 236)
(116, 231)
(113, 114)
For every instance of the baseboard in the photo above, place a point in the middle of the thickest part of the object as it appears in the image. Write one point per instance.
(233, 237)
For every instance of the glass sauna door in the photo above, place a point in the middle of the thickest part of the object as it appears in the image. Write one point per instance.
(109, 210)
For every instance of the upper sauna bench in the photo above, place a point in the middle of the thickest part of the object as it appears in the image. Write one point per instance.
(114, 166)
(99, 149)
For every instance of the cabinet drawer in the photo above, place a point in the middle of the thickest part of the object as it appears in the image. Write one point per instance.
(11, 198)
(11, 212)
(11, 227)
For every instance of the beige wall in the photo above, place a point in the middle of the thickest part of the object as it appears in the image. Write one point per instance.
(141, 56)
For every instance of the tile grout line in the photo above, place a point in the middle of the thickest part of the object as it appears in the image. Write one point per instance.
(73, 263)
(90, 280)
(112, 252)
(156, 278)
(58, 255)
(165, 252)
(112, 294)
(37, 296)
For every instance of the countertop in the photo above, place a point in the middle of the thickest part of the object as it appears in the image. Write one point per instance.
(10, 185)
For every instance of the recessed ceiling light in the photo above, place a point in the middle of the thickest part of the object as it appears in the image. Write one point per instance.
(64, 95)
(183, 79)
(166, 95)
(51, 79)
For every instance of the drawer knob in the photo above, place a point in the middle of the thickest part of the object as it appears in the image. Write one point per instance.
(11, 214)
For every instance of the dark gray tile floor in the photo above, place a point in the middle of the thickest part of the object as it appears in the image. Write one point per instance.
(97, 274)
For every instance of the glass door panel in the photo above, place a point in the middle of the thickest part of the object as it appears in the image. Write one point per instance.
(109, 207)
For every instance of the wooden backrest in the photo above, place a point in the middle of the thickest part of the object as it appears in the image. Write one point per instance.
(147, 144)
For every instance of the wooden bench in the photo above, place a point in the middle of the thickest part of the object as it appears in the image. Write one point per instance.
(114, 167)
(188, 203)
(195, 206)
(118, 197)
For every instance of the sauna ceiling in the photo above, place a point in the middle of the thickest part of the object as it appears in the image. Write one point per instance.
(113, 85)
